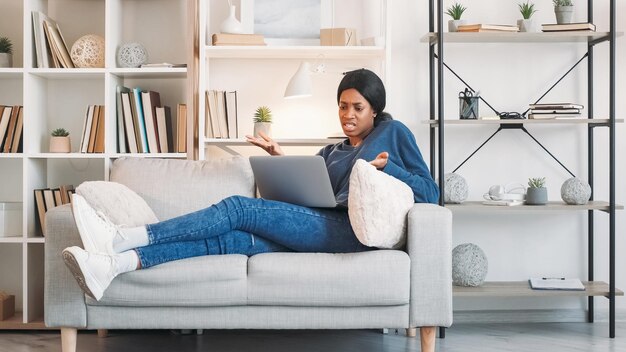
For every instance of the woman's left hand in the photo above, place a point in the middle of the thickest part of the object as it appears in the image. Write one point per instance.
(381, 160)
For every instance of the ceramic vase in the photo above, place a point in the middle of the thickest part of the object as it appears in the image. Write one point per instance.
(6, 60)
(564, 14)
(265, 127)
(453, 25)
(526, 25)
(60, 144)
(231, 24)
(537, 196)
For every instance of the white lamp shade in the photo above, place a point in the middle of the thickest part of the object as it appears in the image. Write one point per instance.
(300, 84)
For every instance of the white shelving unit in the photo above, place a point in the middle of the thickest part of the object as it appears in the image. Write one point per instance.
(54, 98)
(260, 74)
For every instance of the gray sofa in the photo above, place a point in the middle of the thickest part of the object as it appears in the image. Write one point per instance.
(376, 289)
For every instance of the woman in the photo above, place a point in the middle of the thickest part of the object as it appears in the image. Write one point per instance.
(250, 225)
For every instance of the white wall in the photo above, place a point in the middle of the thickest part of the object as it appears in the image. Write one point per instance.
(509, 77)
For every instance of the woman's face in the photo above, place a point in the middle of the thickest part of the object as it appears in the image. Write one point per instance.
(355, 115)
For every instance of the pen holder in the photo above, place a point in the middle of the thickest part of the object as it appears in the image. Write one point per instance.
(468, 108)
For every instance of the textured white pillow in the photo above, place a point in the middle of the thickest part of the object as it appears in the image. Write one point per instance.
(378, 205)
(119, 203)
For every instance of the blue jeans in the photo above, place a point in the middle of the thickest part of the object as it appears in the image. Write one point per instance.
(228, 227)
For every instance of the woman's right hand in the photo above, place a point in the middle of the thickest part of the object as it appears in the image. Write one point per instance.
(266, 143)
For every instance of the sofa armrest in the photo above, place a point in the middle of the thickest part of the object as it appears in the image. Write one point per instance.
(64, 301)
(429, 245)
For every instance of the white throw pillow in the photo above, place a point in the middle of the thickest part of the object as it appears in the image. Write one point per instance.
(378, 205)
(119, 203)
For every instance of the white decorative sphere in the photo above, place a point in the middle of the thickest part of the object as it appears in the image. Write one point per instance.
(132, 55)
(455, 190)
(88, 52)
(469, 265)
(575, 191)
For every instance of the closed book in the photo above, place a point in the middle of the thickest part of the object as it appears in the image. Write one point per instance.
(66, 193)
(57, 196)
(481, 26)
(8, 142)
(164, 127)
(555, 111)
(141, 123)
(150, 100)
(84, 141)
(237, 39)
(208, 128)
(215, 127)
(556, 106)
(580, 26)
(5, 116)
(221, 114)
(41, 209)
(122, 144)
(57, 42)
(94, 127)
(231, 114)
(19, 128)
(99, 143)
(129, 121)
(181, 118)
(48, 197)
(561, 283)
(552, 116)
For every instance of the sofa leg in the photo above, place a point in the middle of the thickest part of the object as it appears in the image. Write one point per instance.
(68, 339)
(411, 332)
(427, 338)
(103, 333)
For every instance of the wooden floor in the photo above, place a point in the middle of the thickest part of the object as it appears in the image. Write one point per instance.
(555, 337)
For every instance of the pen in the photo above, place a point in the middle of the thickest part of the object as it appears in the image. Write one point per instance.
(552, 278)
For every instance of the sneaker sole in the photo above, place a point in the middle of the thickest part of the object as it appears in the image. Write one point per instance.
(75, 269)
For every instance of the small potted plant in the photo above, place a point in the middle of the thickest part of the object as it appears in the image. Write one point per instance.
(537, 193)
(262, 121)
(6, 52)
(60, 141)
(455, 11)
(527, 10)
(563, 9)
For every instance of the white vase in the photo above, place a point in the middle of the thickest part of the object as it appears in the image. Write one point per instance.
(453, 25)
(60, 145)
(265, 127)
(230, 24)
(6, 60)
(526, 25)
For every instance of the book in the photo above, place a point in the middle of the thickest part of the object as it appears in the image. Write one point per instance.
(552, 116)
(57, 42)
(491, 27)
(162, 64)
(5, 116)
(164, 127)
(84, 141)
(94, 127)
(41, 209)
(66, 193)
(555, 111)
(237, 39)
(57, 196)
(122, 144)
(141, 124)
(221, 114)
(48, 197)
(8, 142)
(16, 146)
(150, 100)
(213, 114)
(231, 114)
(556, 283)
(579, 26)
(42, 51)
(208, 129)
(556, 106)
(99, 140)
(129, 122)
(508, 202)
(181, 118)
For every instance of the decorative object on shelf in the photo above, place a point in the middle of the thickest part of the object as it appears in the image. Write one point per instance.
(469, 265)
(7, 305)
(537, 193)
(11, 219)
(300, 84)
(263, 121)
(575, 191)
(132, 55)
(468, 105)
(6, 52)
(60, 141)
(527, 10)
(338, 36)
(231, 24)
(563, 9)
(456, 189)
(88, 51)
(455, 11)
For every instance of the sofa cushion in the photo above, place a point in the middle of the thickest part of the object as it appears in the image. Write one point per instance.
(216, 280)
(374, 278)
(174, 187)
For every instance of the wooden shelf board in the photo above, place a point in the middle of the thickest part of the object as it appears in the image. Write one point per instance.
(283, 142)
(293, 52)
(522, 289)
(551, 206)
(519, 37)
(16, 322)
(581, 121)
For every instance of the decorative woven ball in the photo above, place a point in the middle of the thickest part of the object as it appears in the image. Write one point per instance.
(455, 190)
(575, 191)
(132, 55)
(88, 51)
(469, 265)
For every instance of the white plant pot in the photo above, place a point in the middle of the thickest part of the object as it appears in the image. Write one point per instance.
(265, 127)
(6, 60)
(526, 25)
(231, 24)
(453, 25)
(564, 14)
(60, 145)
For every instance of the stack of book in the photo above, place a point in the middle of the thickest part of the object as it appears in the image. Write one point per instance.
(50, 47)
(237, 39)
(11, 127)
(92, 140)
(584, 26)
(554, 111)
(48, 198)
(144, 125)
(221, 114)
(488, 28)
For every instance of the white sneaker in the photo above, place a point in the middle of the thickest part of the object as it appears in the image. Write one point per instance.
(93, 272)
(96, 230)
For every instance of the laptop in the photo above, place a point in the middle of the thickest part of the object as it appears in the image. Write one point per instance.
(300, 180)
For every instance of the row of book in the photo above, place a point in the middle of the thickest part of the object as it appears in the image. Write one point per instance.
(554, 111)
(221, 114)
(146, 126)
(11, 128)
(92, 140)
(50, 47)
(48, 198)
(513, 28)
(219, 39)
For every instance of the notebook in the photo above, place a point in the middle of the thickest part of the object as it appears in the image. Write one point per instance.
(300, 180)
